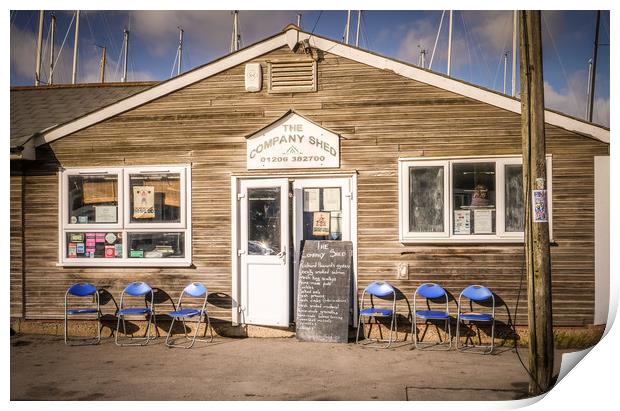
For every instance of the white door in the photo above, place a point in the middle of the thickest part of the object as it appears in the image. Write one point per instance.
(330, 197)
(263, 252)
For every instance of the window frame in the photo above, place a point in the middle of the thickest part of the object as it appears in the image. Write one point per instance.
(500, 236)
(123, 218)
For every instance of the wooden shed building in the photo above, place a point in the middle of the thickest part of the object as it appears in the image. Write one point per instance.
(217, 176)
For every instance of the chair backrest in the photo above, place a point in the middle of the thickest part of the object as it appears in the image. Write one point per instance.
(137, 289)
(477, 293)
(195, 290)
(82, 289)
(380, 289)
(431, 291)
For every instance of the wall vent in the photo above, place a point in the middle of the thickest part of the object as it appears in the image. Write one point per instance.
(292, 76)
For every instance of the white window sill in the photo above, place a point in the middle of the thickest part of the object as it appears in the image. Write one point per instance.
(142, 263)
(481, 240)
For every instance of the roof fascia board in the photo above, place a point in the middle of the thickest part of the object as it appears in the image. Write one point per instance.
(163, 89)
(449, 84)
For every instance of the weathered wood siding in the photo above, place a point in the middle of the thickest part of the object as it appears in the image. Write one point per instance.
(381, 117)
(16, 249)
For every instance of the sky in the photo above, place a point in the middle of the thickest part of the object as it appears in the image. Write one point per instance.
(480, 40)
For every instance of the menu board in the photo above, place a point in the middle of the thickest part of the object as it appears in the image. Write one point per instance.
(324, 291)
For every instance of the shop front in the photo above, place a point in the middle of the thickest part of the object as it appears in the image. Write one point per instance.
(220, 174)
(272, 215)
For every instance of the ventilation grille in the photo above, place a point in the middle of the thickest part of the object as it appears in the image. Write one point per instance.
(292, 76)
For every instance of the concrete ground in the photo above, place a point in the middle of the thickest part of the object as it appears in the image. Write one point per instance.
(43, 368)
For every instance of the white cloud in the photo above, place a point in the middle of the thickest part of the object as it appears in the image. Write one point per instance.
(572, 100)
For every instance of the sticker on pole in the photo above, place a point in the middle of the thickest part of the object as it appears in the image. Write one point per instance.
(539, 206)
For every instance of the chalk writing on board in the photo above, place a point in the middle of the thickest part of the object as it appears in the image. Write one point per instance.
(323, 296)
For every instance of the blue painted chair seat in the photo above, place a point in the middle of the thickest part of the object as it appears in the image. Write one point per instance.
(376, 311)
(73, 311)
(187, 312)
(432, 315)
(476, 317)
(134, 311)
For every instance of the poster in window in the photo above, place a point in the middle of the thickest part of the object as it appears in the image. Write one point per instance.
(311, 199)
(539, 206)
(320, 223)
(462, 222)
(110, 251)
(331, 199)
(79, 248)
(105, 214)
(143, 202)
(77, 237)
(483, 221)
(72, 250)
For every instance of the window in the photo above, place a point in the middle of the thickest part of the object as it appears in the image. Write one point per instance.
(463, 199)
(126, 216)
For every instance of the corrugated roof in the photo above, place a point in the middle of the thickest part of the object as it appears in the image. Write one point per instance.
(34, 109)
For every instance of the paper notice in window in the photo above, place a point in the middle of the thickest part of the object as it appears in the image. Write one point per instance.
(320, 223)
(462, 222)
(105, 214)
(311, 199)
(144, 202)
(331, 199)
(483, 221)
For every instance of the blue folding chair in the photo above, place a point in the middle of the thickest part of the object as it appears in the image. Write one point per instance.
(378, 289)
(136, 289)
(82, 290)
(430, 291)
(478, 294)
(194, 290)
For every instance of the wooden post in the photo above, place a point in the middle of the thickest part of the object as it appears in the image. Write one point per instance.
(537, 258)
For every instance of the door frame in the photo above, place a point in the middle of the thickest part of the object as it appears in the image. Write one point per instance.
(235, 226)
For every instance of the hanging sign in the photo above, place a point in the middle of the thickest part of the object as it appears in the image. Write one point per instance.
(293, 142)
(144, 202)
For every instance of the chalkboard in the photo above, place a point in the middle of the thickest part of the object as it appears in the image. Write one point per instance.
(323, 292)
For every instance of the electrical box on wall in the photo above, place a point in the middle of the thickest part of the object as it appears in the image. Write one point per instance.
(253, 77)
(403, 271)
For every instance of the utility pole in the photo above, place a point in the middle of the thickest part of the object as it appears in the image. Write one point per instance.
(75, 47)
(449, 44)
(537, 256)
(37, 67)
(515, 25)
(102, 65)
(50, 80)
(357, 33)
(126, 49)
(180, 50)
(346, 34)
(430, 64)
(505, 64)
(594, 58)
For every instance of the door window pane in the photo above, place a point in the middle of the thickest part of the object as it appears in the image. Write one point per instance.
(322, 215)
(156, 245)
(514, 198)
(155, 198)
(264, 221)
(426, 194)
(93, 199)
(473, 188)
(94, 245)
